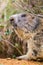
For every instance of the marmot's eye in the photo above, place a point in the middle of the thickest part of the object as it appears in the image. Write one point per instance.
(23, 15)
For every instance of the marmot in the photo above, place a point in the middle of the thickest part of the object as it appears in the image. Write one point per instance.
(31, 28)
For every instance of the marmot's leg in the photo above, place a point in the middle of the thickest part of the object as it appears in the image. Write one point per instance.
(25, 57)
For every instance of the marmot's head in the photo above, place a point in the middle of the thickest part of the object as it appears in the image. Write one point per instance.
(26, 22)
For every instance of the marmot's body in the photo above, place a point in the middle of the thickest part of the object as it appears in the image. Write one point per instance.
(30, 29)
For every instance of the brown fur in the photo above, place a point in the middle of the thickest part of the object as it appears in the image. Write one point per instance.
(30, 29)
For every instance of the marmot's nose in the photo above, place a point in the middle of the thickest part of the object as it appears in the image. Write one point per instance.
(11, 19)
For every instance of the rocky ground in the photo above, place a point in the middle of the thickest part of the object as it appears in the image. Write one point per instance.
(18, 62)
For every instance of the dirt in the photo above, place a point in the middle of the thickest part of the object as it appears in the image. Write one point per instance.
(18, 62)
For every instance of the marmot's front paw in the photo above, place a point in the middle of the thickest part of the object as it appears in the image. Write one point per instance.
(25, 57)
